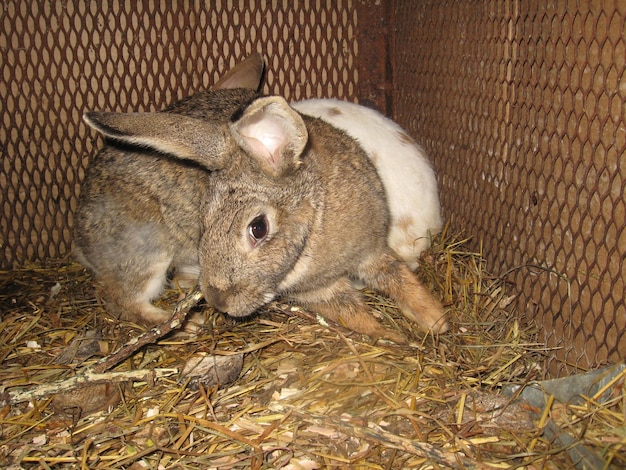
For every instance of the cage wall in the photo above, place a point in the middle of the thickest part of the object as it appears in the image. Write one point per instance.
(520, 105)
(522, 108)
(59, 59)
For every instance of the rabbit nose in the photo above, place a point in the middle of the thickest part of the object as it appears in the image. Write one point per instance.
(216, 298)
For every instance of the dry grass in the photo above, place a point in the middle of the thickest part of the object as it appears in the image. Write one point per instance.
(309, 395)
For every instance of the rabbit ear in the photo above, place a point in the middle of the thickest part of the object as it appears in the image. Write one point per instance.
(183, 137)
(273, 133)
(246, 74)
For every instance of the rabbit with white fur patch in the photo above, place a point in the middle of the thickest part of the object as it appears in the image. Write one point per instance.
(267, 204)
(407, 175)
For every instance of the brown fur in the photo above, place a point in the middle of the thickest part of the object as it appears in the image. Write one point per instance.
(320, 199)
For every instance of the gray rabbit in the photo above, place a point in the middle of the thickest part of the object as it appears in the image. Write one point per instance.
(248, 197)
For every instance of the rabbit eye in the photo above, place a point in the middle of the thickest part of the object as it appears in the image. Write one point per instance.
(258, 228)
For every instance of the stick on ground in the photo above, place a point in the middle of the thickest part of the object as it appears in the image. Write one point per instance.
(97, 373)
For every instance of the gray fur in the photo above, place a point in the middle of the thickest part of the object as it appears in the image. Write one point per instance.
(190, 204)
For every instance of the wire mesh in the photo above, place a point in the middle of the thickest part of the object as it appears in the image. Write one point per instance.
(520, 104)
(59, 59)
(522, 107)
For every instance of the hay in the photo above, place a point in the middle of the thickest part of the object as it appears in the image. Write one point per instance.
(309, 395)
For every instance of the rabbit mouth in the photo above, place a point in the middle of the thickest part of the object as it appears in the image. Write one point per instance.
(236, 303)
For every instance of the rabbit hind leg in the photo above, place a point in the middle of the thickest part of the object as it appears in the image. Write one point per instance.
(343, 304)
(132, 299)
(393, 278)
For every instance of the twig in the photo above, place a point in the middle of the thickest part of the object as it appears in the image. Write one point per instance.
(150, 336)
(87, 376)
(96, 373)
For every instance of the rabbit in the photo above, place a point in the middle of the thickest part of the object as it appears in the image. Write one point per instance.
(408, 178)
(287, 206)
(138, 218)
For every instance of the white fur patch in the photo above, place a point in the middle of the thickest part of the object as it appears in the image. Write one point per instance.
(268, 297)
(299, 271)
(154, 286)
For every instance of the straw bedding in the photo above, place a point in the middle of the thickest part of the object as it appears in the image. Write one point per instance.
(282, 389)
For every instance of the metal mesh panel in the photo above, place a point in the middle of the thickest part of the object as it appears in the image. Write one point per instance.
(520, 104)
(58, 59)
(522, 107)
